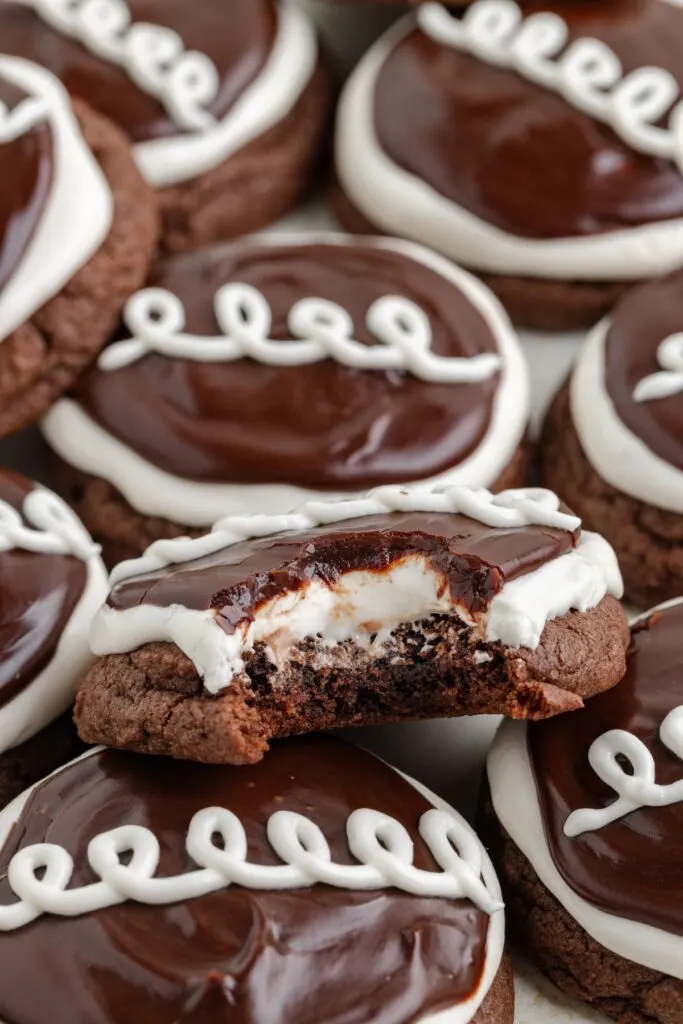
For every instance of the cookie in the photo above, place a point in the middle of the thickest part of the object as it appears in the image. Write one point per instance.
(52, 581)
(613, 438)
(536, 146)
(405, 604)
(590, 834)
(77, 230)
(225, 109)
(254, 377)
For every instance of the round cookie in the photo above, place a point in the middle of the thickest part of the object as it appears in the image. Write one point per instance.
(539, 147)
(225, 110)
(399, 367)
(612, 445)
(77, 231)
(341, 888)
(590, 834)
(51, 583)
(406, 604)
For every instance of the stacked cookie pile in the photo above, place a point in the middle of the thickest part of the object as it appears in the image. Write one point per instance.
(305, 460)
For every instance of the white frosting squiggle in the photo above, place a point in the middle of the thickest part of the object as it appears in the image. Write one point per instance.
(617, 454)
(81, 442)
(26, 115)
(401, 203)
(324, 330)
(53, 528)
(78, 212)
(670, 380)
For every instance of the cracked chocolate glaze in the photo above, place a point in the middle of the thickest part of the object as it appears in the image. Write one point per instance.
(640, 323)
(632, 868)
(38, 596)
(26, 172)
(517, 155)
(322, 426)
(473, 561)
(239, 45)
(301, 957)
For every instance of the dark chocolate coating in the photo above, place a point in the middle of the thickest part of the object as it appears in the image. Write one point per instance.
(38, 595)
(632, 868)
(238, 41)
(26, 173)
(240, 956)
(519, 156)
(473, 560)
(640, 323)
(322, 426)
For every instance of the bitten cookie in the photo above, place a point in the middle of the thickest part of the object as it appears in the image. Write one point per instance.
(77, 230)
(613, 440)
(400, 605)
(590, 837)
(255, 377)
(538, 147)
(51, 583)
(225, 104)
(321, 879)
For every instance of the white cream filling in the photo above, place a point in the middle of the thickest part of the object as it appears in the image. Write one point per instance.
(401, 203)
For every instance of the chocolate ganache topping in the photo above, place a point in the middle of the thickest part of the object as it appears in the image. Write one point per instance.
(322, 425)
(632, 868)
(319, 953)
(642, 321)
(38, 596)
(26, 172)
(473, 560)
(239, 53)
(518, 155)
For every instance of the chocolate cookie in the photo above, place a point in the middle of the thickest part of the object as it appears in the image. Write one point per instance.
(535, 145)
(405, 604)
(254, 377)
(51, 583)
(77, 231)
(339, 888)
(613, 439)
(225, 106)
(594, 884)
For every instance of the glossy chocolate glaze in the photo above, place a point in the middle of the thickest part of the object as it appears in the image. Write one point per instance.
(238, 41)
(38, 595)
(474, 561)
(322, 426)
(640, 323)
(519, 156)
(239, 955)
(26, 173)
(634, 867)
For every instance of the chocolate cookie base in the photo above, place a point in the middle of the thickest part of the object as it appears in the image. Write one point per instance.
(256, 186)
(532, 303)
(567, 954)
(498, 1006)
(153, 701)
(125, 533)
(42, 358)
(648, 541)
(31, 761)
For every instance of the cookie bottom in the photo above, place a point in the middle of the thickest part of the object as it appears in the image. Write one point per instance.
(39, 756)
(532, 303)
(256, 186)
(153, 701)
(498, 1006)
(125, 533)
(567, 954)
(648, 541)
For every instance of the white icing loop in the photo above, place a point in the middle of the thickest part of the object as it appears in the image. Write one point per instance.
(670, 380)
(185, 82)
(588, 74)
(54, 529)
(40, 875)
(156, 320)
(636, 790)
(531, 506)
(22, 118)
